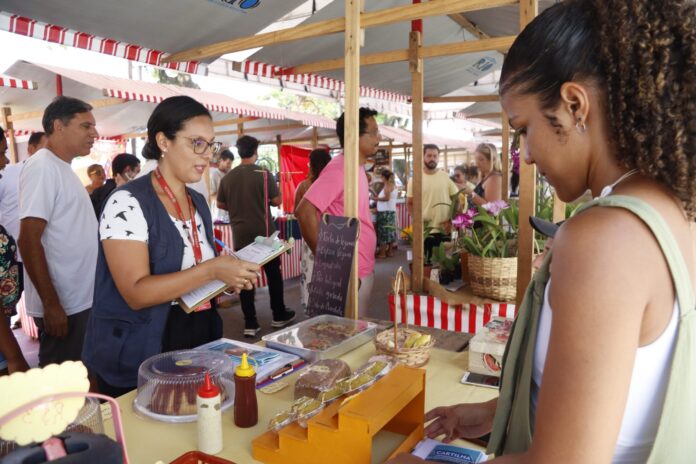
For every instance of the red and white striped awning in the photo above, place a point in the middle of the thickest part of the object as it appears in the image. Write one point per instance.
(25, 132)
(258, 68)
(64, 36)
(14, 83)
(151, 92)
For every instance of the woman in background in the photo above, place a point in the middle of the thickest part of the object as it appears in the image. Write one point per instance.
(318, 159)
(490, 188)
(386, 216)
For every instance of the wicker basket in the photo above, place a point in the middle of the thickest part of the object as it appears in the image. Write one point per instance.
(494, 278)
(390, 342)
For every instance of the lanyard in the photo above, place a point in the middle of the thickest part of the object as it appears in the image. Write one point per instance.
(195, 244)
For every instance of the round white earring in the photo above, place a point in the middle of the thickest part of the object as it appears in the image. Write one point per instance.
(580, 126)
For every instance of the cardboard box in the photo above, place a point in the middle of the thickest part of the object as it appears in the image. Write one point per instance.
(488, 345)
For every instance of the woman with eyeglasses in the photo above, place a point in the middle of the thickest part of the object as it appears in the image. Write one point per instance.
(156, 244)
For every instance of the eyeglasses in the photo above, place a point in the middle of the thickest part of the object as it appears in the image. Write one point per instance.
(201, 145)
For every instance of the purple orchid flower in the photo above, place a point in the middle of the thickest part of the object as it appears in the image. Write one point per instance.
(495, 207)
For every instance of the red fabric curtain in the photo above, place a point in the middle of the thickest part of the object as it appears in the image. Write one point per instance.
(294, 169)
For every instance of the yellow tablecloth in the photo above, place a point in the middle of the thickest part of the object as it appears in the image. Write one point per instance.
(149, 441)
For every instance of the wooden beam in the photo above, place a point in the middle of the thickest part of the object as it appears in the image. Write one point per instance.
(485, 116)
(446, 160)
(304, 140)
(528, 10)
(353, 23)
(229, 122)
(417, 139)
(242, 130)
(468, 25)
(315, 138)
(6, 116)
(463, 99)
(95, 104)
(331, 26)
(394, 56)
(505, 158)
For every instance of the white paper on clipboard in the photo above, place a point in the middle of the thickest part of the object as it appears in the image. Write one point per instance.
(259, 252)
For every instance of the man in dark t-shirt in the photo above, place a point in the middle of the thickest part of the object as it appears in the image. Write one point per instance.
(247, 192)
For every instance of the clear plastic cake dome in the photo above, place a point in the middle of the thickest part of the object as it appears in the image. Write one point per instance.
(168, 383)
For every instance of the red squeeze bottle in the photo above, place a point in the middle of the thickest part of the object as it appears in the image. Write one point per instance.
(246, 409)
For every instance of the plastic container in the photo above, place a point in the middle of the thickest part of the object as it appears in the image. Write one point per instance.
(168, 383)
(322, 337)
(246, 408)
(209, 422)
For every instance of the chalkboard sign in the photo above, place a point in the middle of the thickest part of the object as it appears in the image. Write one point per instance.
(332, 265)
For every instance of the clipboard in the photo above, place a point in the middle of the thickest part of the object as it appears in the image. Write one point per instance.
(261, 251)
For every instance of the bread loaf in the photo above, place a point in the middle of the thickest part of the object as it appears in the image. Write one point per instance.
(320, 376)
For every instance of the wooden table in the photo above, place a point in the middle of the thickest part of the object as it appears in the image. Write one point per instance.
(150, 441)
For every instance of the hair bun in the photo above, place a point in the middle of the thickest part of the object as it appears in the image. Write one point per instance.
(151, 151)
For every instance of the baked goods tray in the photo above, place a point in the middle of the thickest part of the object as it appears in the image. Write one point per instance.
(322, 337)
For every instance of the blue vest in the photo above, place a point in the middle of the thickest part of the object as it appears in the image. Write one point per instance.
(118, 338)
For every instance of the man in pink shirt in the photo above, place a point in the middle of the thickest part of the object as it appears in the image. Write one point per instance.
(326, 196)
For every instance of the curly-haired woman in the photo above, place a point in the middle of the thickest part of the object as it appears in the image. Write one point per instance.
(600, 365)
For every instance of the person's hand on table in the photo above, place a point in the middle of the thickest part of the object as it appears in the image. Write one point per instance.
(237, 274)
(467, 420)
(55, 320)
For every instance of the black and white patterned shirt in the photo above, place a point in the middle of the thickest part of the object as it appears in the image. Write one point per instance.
(123, 219)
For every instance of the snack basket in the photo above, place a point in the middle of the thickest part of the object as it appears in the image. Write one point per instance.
(390, 342)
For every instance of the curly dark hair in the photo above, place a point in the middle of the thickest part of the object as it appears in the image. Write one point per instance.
(642, 55)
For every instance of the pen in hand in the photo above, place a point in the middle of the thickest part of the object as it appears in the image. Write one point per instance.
(225, 248)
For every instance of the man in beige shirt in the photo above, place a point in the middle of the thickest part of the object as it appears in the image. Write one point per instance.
(438, 189)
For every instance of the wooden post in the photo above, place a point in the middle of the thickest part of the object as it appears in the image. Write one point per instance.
(240, 128)
(9, 133)
(528, 10)
(558, 209)
(416, 68)
(505, 158)
(351, 136)
(279, 143)
(315, 138)
(447, 161)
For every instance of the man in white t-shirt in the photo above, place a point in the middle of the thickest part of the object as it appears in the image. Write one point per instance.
(58, 232)
(438, 189)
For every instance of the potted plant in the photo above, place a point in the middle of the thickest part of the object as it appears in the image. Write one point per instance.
(488, 234)
(407, 234)
(446, 261)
